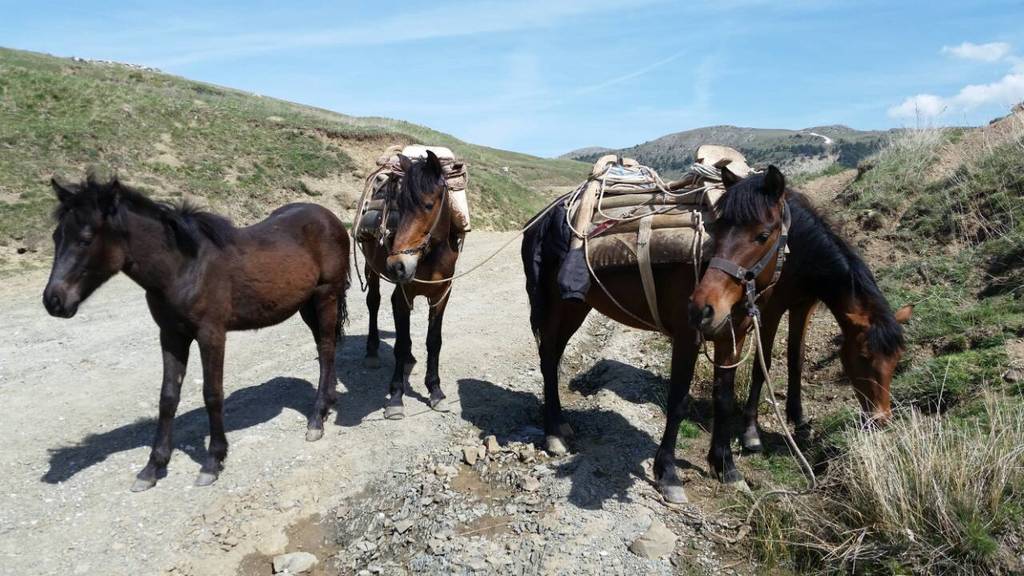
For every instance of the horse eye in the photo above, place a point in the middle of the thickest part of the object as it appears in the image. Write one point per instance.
(429, 205)
(764, 236)
(85, 240)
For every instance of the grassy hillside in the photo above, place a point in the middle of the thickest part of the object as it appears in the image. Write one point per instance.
(239, 153)
(793, 150)
(939, 214)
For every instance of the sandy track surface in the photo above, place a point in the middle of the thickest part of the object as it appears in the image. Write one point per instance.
(80, 396)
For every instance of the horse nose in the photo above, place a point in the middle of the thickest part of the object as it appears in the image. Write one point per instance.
(401, 267)
(396, 268)
(53, 303)
(700, 317)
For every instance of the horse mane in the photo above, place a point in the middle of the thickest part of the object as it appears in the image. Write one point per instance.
(745, 203)
(415, 183)
(187, 225)
(834, 268)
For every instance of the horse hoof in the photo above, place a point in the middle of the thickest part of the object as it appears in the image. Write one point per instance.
(440, 405)
(314, 434)
(394, 412)
(205, 478)
(673, 494)
(566, 430)
(752, 444)
(732, 477)
(740, 486)
(555, 446)
(141, 485)
(372, 362)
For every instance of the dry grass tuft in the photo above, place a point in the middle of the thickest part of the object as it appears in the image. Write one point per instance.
(927, 495)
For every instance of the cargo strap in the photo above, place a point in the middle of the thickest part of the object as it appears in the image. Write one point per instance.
(643, 256)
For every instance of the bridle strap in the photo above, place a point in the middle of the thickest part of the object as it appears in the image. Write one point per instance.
(747, 277)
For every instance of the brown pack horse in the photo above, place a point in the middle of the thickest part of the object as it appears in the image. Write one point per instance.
(555, 320)
(202, 277)
(820, 268)
(803, 279)
(425, 246)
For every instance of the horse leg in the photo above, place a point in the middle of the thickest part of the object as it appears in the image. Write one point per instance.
(799, 322)
(724, 404)
(373, 305)
(751, 438)
(394, 410)
(325, 305)
(211, 348)
(666, 473)
(175, 357)
(432, 380)
(563, 320)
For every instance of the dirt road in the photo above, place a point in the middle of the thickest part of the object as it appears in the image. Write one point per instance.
(79, 398)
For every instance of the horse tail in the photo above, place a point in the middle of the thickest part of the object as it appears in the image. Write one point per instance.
(339, 329)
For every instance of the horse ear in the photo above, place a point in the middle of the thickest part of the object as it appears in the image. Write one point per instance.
(858, 319)
(774, 183)
(903, 314)
(434, 163)
(65, 191)
(728, 178)
(405, 162)
(109, 199)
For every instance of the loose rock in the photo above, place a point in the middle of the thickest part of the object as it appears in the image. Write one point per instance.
(294, 563)
(657, 542)
(530, 484)
(469, 455)
(491, 444)
(402, 526)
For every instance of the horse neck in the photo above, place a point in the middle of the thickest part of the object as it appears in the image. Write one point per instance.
(834, 285)
(150, 262)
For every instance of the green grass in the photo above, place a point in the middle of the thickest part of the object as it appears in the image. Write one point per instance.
(941, 489)
(240, 153)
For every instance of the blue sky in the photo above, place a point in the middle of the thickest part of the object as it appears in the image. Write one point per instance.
(548, 76)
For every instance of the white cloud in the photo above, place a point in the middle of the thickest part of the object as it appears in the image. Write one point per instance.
(990, 52)
(1006, 91)
(427, 24)
(921, 106)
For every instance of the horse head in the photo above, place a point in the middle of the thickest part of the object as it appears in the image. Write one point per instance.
(749, 232)
(89, 247)
(423, 215)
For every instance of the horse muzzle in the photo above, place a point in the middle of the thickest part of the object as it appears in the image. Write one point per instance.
(59, 303)
(704, 319)
(402, 267)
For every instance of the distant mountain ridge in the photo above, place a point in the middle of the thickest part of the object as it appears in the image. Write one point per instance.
(805, 150)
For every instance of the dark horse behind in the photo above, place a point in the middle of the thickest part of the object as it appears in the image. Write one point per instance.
(821, 268)
(203, 277)
(555, 320)
(417, 256)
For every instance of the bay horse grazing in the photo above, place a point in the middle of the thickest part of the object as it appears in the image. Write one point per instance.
(202, 277)
(555, 320)
(821, 267)
(425, 246)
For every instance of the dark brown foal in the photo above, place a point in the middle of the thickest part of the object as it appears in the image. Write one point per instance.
(203, 277)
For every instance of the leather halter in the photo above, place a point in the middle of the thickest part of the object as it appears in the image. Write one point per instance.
(747, 277)
(424, 245)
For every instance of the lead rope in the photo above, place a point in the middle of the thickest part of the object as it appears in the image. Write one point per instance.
(755, 315)
(812, 480)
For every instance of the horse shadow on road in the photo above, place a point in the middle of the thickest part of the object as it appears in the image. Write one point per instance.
(608, 449)
(361, 392)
